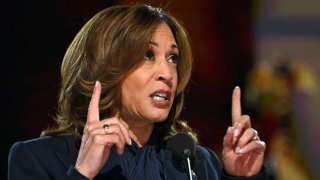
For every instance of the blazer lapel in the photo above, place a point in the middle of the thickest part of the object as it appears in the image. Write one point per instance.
(200, 170)
(68, 157)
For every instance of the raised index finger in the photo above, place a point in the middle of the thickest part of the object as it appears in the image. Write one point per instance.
(93, 110)
(236, 105)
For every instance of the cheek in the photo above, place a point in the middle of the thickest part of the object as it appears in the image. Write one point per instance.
(125, 94)
(175, 81)
(131, 89)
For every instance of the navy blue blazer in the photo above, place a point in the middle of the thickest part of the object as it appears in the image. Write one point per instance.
(54, 158)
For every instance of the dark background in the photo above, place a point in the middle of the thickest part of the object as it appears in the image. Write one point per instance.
(36, 33)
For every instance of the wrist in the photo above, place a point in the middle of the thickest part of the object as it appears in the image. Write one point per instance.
(83, 172)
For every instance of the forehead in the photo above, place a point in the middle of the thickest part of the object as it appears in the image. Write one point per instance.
(163, 30)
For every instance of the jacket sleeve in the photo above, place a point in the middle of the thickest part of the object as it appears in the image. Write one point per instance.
(73, 174)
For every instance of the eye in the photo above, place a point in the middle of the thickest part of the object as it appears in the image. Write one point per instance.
(173, 58)
(149, 56)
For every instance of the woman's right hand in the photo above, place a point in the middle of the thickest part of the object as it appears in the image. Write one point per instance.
(96, 141)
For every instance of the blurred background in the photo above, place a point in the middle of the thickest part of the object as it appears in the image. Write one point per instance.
(270, 48)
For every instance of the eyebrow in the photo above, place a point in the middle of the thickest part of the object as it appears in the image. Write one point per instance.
(173, 46)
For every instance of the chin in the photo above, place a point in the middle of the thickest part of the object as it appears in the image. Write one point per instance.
(156, 114)
(160, 117)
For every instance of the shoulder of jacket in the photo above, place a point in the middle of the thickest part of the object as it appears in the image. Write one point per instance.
(46, 143)
(206, 153)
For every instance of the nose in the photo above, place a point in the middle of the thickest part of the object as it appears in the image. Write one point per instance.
(163, 71)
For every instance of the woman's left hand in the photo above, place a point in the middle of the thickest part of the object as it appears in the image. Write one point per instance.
(243, 151)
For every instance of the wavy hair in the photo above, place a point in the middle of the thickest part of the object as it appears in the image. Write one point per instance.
(108, 47)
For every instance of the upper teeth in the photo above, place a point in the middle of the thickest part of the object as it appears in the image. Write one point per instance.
(160, 96)
(164, 95)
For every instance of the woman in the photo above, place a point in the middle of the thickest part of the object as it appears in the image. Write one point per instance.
(122, 90)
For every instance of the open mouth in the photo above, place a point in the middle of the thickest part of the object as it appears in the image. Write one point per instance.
(160, 96)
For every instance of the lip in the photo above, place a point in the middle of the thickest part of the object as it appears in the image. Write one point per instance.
(165, 103)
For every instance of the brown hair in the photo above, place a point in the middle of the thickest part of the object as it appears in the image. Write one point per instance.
(107, 48)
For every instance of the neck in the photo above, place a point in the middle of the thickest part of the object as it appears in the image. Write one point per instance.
(140, 133)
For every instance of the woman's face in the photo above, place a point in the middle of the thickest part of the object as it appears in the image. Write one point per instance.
(148, 91)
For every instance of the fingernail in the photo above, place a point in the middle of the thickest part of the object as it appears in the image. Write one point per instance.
(238, 150)
(95, 86)
(236, 133)
(130, 142)
(228, 130)
(236, 87)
